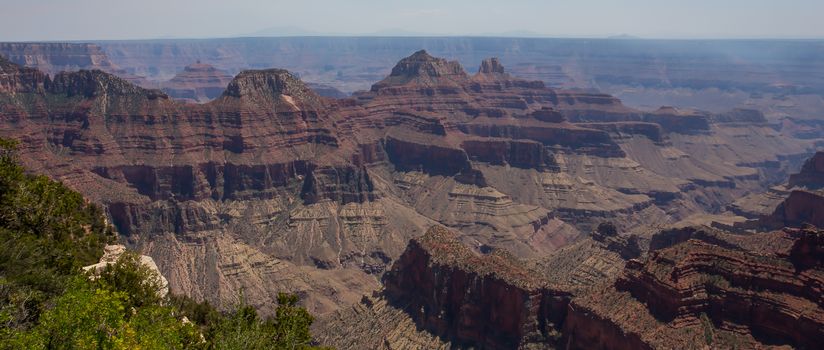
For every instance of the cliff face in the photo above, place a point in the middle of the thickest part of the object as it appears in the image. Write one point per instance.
(177, 178)
(800, 208)
(271, 187)
(706, 287)
(811, 175)
(698, 287)
(53, 58)
(491, 301)
(786, 204)
(15, 79)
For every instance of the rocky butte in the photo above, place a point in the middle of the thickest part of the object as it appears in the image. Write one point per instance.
(272, 187)
(199, 82)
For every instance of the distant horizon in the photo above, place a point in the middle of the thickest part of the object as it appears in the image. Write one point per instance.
(111, 20)
(343, 36)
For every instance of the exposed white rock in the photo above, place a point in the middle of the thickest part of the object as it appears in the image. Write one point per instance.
(113, 252)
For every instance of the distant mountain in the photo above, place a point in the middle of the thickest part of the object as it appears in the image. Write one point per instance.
(624, 37)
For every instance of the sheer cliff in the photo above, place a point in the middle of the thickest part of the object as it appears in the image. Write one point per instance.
(271, 187)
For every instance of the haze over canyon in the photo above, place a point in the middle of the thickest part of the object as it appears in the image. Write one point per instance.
(454, 192)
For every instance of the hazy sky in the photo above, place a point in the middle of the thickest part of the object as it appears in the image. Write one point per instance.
(118, 19)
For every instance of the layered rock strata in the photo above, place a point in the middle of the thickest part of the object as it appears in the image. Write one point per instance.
(197, 82)
(469, 299)
(699, 286)
(332, 190)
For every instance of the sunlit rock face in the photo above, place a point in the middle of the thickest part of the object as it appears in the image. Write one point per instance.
(272, 187)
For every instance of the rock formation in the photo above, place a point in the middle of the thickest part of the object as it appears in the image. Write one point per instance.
(465, 298)
(112, 253)
(53, 58)
(491, 66)
(799, 209)
(698, 286)
(794, 194)
(272, 187)
(677, 288)
(199, 82)
(421, 69)
(725, 295)
(811, 175)
(489, 300)
(743, 291)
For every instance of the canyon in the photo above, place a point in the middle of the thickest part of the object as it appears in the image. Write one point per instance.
(689, 287)
(437, 208)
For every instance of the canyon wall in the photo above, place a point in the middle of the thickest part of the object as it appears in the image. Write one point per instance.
(272, 187)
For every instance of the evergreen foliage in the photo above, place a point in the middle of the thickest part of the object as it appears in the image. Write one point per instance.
(48, 232)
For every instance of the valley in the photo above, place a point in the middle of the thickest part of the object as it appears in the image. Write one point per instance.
(365, 186)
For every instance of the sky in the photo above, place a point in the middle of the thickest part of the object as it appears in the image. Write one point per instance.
(36, 20)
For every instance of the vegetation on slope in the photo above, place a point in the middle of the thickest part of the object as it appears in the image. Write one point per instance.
(48, 232)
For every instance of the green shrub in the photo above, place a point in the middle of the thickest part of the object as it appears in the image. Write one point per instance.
(140, 283)
(244, 329)
(48, 232)
(89, 317)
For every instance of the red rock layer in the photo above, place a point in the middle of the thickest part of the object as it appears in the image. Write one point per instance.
(273, 169)
(488, 301)
(14, 79)
(53, 58)
(703, 287)
(800, 208)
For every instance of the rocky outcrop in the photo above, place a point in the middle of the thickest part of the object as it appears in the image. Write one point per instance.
(111, 253)
(565, 137)
(96, 83)
(741, 116)
(586, 329)
(409, 155)
(339, 184)
(757, 205)
(197, 82)
(811, 175)
(518, 153)
(15, 79)
(691, 291)
(491, 66)
(225, 168)
(56, 57)
(423, 70)
(271, 187)
(679, 121)
(808, 250)
(652, 131)
(753, 291)
(799, 209)
(375, 323)
(266, 84)
(53, 58)
(627, 246)
(769, 205)
(596, 108)
(489, 301)
(694, 279)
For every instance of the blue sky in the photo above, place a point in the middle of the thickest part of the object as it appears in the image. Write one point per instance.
(117, 19)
